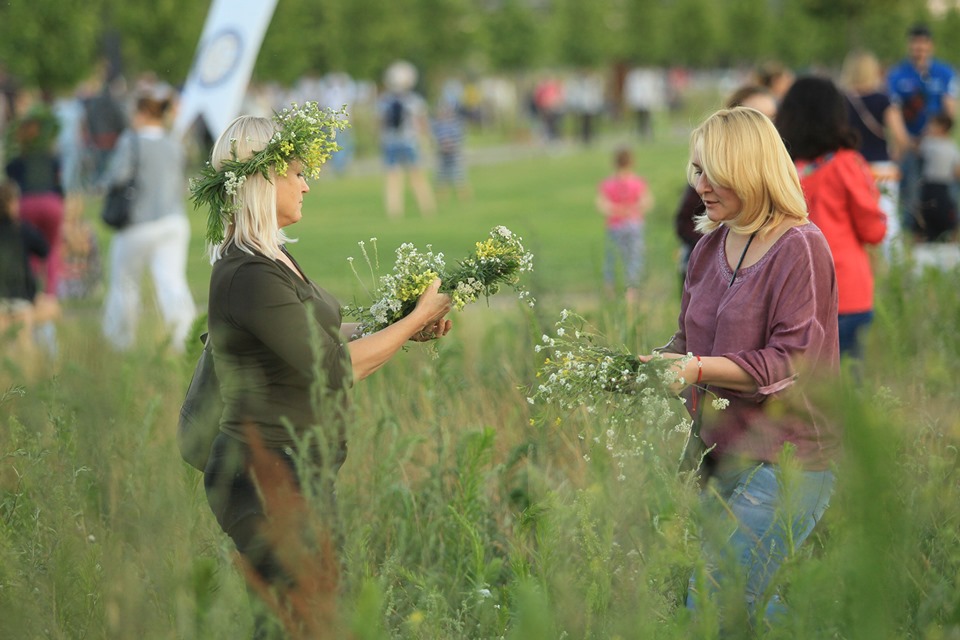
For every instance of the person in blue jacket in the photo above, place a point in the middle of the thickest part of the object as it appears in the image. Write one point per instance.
(920, 87)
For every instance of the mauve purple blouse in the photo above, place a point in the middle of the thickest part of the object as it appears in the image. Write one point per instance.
(778, 321)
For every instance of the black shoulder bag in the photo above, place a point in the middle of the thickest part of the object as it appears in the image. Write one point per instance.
(200, 412)
(118, 202)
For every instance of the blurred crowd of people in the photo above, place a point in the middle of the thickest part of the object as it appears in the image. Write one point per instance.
(58, 150)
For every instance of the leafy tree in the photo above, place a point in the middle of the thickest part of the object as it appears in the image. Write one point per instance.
(162, 39)
(582, 34)
(747, 30)
(694, 32)
(448, 31)
(51, 44)
(332, 37)
(643, 39)
(795, 36)
(380, 32)
(857, 18)
(512, 39)
(884, 33)
(948, 47)
(293, 45)
(845, 9)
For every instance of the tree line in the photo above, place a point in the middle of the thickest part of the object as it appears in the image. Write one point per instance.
(54, 44)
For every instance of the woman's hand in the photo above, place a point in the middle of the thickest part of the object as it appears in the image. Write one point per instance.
(713, 370)
(425, 322)
(681, 369)
(433, 331)
(431, 307)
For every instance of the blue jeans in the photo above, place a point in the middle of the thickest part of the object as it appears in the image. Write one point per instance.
(909, 191)
(850, 326)
(400, 153)
(626, 245)
(755, 517)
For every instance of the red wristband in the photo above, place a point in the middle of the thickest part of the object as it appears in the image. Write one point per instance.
(696, 391)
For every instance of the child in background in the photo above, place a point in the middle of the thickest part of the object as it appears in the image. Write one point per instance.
(624, 199)
(448, 134)
(82, 266)
(940, 169)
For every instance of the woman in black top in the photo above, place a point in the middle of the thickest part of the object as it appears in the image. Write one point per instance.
(881, 129)
(280, 347)
(36, 169)
(22, 304)
(19, 241)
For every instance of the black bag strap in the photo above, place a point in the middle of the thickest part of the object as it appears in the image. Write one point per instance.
(134, 159)
(866, 117)
(136, 155)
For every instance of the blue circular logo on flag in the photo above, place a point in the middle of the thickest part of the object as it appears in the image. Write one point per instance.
(219, 58)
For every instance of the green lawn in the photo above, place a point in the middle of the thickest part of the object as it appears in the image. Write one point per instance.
(547, 199)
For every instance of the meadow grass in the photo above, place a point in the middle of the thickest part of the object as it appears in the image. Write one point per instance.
(465, 512)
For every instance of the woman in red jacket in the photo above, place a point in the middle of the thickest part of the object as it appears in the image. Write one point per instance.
(842, 197)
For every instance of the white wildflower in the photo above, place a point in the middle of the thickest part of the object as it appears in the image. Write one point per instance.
(720, 403)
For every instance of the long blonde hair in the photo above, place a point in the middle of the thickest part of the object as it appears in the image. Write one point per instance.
(740, 149)
(861, 72)
(253, 228)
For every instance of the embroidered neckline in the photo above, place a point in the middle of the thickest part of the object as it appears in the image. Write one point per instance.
(744, 271)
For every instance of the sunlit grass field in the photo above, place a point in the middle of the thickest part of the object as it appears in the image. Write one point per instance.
(464, 511)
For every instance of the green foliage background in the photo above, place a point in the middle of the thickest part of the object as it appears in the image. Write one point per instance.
(55, 43)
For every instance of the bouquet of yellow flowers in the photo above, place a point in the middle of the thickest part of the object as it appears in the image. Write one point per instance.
(498, 260)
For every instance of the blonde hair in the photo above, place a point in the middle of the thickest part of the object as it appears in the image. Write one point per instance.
(253, 227)
(400, 76)
(740, 149)
(861, 72)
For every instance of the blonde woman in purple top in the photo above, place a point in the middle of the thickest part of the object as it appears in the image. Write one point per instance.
(759, 317)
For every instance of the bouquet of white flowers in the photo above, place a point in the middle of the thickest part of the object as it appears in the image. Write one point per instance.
(498, 260)
(632, 399)
(581, 371)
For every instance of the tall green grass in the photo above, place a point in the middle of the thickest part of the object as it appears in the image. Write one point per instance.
(464, 513)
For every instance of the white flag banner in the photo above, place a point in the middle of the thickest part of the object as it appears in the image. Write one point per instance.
(221, 70)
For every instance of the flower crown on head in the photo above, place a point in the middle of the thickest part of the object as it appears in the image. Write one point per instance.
(306, 133)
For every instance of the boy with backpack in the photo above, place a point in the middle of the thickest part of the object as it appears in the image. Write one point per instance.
(403, 122)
